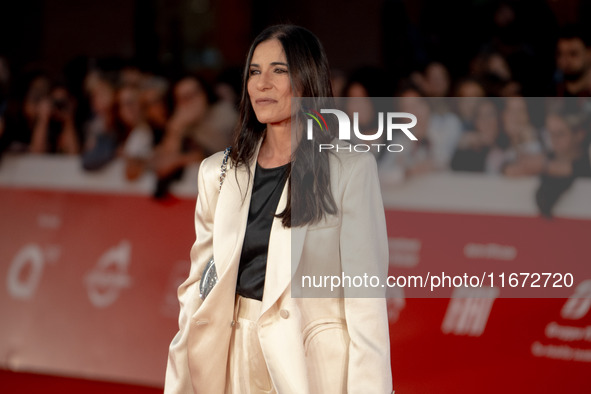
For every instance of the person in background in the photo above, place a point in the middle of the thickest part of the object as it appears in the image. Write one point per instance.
(137, 148)
(197, 127)
(214, 133)
(190, 105)
(469, 92)
(365, 93)
(4, 87)
(227, 86)
(569, 140)
(573, 63)
(435, 81)
(494, 72)
(444, 125)
(55, 128)
(101, 136)
(524, 155)
(437, 140)
(478, 150)
(23, 116)
(153, 93)
(131, 75)
(568, 159)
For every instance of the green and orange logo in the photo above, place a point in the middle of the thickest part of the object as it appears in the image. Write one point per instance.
(317, 117)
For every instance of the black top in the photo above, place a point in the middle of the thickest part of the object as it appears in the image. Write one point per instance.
(266, 192)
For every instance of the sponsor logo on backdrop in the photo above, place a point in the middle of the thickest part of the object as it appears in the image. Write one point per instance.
(109, 276)
(26, 270)
(579, 303)
(468, 311)
(575, 308)
(490, 251)
(404, 252)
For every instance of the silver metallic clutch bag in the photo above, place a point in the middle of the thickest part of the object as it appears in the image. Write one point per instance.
(209, 277)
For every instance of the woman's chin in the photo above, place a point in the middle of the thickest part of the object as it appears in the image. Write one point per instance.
(273, 121)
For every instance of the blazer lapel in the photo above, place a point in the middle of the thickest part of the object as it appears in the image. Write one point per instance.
(230, 219)
(231, 216)
(283, 257)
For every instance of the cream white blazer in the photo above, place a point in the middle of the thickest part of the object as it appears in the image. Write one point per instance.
(311, 345)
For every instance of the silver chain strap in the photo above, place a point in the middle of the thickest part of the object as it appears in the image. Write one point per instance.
(224, 166)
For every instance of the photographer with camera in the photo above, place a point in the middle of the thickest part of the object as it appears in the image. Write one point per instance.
(54, 130)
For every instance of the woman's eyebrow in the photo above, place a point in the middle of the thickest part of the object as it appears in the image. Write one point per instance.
(272, 64)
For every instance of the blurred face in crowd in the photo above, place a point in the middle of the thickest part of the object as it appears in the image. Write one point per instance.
(63, 104)
(102, 97)
(269, 85)
(572, 58)
(487, 122)
(131, 76)
(497, 65)
(412, 102)
(129, 109)
(562, 138)
(437, 80)
(470, 89)
(154, 107)
(361, 104)
(516, 120)
(38, 91)
(189, 95)
(470, 93)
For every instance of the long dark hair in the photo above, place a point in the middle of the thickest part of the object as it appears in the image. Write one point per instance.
(308, 172)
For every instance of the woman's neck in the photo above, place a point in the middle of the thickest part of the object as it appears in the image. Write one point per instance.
(275, 150)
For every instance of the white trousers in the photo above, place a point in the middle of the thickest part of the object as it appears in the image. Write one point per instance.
(247, 369)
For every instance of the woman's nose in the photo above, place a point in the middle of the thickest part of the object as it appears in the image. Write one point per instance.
(264, 82)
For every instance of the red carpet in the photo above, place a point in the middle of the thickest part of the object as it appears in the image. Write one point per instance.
(27, 383)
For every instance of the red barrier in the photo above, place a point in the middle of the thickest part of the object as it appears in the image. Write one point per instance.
(90, 281)
(89, 290)
(490, 345)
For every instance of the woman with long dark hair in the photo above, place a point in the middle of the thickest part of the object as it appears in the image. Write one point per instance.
(275, 211)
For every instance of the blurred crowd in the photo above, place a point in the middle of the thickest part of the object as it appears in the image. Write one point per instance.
(153, 123)
(478, 122)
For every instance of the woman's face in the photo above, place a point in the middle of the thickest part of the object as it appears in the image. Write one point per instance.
(269, 85)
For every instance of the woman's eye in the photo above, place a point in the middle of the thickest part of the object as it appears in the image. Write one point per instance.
(253, 72)
(280, 70)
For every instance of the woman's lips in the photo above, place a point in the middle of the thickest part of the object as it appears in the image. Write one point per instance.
(265, 101)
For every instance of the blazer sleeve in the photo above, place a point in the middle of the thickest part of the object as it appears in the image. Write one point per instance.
(177, 370)
(364, 252)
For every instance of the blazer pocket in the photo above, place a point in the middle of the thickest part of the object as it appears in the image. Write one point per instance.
(326, 346)
(318, 328)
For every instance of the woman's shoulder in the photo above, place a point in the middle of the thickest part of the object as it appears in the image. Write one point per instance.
(210, 168)
(346, 158)
(213, 162)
